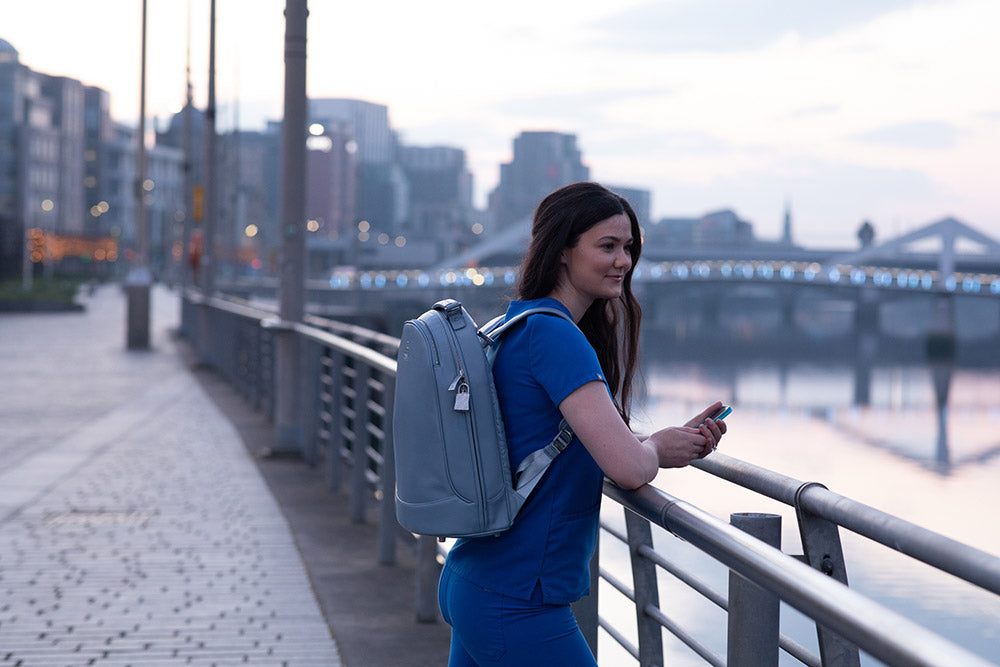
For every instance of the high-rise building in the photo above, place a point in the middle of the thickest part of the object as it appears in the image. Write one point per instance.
(13, 84)
(99, 133)
(542, 162)
(368, 123)
(29, 163)
(65, 99)
(381, 194)
(54, 132)
(440, 186)
(638, 199)
(331, 187)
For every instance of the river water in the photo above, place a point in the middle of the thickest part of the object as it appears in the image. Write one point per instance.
(871, 431)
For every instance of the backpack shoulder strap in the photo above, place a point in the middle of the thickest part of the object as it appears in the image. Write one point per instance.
(490, 333)
(528, 474)
(495, 328)
(534, 465)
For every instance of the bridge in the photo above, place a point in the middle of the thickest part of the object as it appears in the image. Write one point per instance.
(965, 261)
(938, 263)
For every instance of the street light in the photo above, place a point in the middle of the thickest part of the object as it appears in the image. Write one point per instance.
(138, 280)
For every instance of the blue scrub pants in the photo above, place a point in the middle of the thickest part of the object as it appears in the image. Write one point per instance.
(489, 628)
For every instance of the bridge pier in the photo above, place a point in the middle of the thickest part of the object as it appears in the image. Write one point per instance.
(866, 335)
(941, 356)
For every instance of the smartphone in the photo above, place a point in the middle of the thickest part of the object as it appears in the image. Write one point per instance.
(721, 413)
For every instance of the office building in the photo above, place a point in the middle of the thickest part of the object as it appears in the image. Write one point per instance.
(542, 162)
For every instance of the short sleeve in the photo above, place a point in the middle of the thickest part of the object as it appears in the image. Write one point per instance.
(562, 359)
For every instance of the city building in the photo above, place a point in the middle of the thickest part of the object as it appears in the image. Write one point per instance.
(332, 182)
(440, 207)
(249, 184)
(541, 163)
(99, 134)
(65, 102)
(15, 80)
(639, 200)
(54, 156)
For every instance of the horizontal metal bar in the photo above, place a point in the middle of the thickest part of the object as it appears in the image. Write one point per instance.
(944, 553)
(355, 350)
(963, 561)
(618, 637)
(614, 532)
(617, 584)
(830, 603)
(692, 581)
(684, 636)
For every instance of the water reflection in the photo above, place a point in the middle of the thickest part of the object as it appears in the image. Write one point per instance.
(888, 392)
(871, 419)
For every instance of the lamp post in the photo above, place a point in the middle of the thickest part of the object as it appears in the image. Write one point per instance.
(138, 280)
(211, 209)
(293, 220)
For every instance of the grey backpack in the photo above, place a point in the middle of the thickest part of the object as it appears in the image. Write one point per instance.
(453, 476)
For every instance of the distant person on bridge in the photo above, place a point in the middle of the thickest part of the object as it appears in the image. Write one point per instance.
(507, 597)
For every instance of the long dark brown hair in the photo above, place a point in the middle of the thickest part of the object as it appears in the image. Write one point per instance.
(611, 325)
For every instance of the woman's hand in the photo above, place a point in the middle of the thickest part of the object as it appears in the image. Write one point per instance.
(711, 429)
(677, 446)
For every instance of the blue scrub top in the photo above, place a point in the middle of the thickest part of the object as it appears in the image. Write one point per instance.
(545, 555)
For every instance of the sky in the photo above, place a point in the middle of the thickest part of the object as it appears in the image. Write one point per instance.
(842, 111)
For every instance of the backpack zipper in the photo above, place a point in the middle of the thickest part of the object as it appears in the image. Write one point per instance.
(458, 383)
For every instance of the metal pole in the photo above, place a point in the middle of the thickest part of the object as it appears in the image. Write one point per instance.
(138, 280)
(211, 163)
(754, 610)
(647, 595)
(288, 429)
(188, 166)
(388, 527)
(585, 610)
(210, 208)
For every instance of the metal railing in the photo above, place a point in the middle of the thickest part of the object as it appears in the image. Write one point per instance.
(348, 384)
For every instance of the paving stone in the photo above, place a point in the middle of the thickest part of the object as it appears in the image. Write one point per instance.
(138, 531)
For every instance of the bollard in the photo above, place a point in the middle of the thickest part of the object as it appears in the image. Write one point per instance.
(753, 611)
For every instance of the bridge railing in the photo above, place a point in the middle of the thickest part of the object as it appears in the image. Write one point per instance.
(346, 418)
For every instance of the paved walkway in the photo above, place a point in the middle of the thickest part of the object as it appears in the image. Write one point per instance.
(136, 528)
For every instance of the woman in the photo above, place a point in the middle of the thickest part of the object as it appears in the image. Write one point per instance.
(507, 597)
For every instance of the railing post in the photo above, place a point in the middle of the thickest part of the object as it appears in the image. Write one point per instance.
(753, 610)
(428, 573)
(647, 595)
(822, 550)
(359, 448)
(585, 609)
(205, 333)
(387, 524)
(334, 373)
(311, 401)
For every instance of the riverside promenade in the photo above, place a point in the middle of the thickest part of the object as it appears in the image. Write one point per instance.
(141, 522)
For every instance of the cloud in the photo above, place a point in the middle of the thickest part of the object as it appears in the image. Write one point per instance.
(815, 111)
(725, 25)
(585, 105)
(926, 135)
